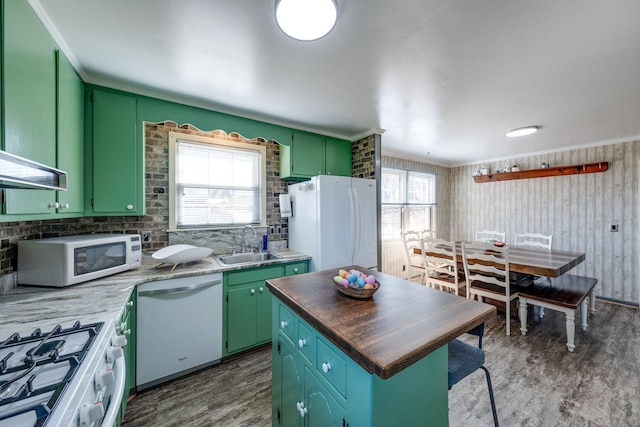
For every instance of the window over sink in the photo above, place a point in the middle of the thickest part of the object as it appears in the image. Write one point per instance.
(215, 183)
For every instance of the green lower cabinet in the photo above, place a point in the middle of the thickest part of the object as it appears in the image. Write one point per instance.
(247, 308)
(287, 367)
(127, 327)
(321, 408)
(319, 385)
(242, 317)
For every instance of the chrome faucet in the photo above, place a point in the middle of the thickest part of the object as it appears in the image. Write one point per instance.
(243, 237)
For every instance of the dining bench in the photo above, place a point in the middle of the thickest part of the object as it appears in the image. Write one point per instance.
(565, 293)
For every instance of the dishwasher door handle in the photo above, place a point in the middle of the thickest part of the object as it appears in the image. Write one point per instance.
(178, 290)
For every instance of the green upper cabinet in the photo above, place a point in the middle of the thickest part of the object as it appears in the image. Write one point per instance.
(29, 84)
(70, 134)
(309, 155)
(337, 157)
(43, 114)
(115, 156)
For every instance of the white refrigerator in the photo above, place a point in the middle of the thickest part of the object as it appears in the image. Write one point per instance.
(334, 220)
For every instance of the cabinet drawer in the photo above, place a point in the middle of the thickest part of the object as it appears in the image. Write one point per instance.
(254, 274)
(332, 367)
(306, 342)
(295, 268)
(287, 323)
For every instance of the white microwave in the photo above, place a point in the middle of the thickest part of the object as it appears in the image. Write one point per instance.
(64, 261)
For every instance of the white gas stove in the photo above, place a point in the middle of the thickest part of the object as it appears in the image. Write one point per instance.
(70, 376)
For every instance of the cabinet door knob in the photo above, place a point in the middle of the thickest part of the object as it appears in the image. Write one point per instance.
(326, 367)
(64, 206)
(54, 205)
(130, 304)
(301, 409)
(129, 207)
(295, 270)
(284, 324)
(261, 289)
(253, 291)
(302, 342)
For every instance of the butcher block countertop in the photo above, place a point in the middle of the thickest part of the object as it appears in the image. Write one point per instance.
(402, 323)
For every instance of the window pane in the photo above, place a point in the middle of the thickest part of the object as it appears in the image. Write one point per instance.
(421, 188)
(391, 223)
(392, 186)
(420, 218)
(217, 185)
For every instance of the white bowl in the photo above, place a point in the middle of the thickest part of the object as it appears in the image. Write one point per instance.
(179, 254)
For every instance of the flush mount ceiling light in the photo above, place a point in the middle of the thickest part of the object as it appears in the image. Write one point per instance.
(306, 20)
(526, 130)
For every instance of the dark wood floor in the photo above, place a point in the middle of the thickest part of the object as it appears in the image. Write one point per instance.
(536, 381)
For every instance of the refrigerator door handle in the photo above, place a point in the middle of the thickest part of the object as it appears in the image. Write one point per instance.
(355, 224)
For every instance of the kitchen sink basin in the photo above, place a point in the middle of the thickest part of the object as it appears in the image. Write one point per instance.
(246, 258)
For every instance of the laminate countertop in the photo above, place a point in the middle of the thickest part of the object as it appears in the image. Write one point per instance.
(402, 323)
(25, 308)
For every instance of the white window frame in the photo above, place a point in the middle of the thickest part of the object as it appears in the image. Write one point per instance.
(406, 206)
(173, 199)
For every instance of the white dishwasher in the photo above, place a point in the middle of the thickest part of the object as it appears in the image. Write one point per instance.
(179, 327)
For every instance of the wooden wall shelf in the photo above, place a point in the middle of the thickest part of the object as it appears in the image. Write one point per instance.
(540, 173)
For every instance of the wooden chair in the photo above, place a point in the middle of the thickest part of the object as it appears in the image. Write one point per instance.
(487, 274)
(465, 359)
(440, 259)
(485, 235)
(427, 233)
(415, 266)
(534, 240)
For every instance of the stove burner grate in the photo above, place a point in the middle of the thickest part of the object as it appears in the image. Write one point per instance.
(36, 370)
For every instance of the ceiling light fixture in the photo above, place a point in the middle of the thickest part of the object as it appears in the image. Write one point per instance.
(526, 130)
(306, 20)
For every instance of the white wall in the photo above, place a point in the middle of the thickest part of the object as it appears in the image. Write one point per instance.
(577, 210)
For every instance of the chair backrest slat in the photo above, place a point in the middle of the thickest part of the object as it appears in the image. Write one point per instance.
(534, 240)
(440, 256)
(487, 264)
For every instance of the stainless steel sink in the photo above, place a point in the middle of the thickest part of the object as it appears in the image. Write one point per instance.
(246, 258)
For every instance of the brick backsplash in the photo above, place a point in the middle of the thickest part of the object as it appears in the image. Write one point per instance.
(156, 219)
(363, 156)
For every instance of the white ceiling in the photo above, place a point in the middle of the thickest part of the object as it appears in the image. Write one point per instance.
(444, 79)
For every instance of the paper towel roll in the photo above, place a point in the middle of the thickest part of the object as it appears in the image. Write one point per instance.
(285, 206)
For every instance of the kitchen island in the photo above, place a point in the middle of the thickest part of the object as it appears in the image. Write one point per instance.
(374, 362)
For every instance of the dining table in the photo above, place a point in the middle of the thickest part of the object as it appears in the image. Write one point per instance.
(534, 261)
(539, 278)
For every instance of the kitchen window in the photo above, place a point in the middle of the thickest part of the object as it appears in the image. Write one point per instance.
(215, 183)
(408, 200)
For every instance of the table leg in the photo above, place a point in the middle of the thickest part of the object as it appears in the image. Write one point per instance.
(523, 315)
(571, 329)
(592, 301)
(583, 314)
